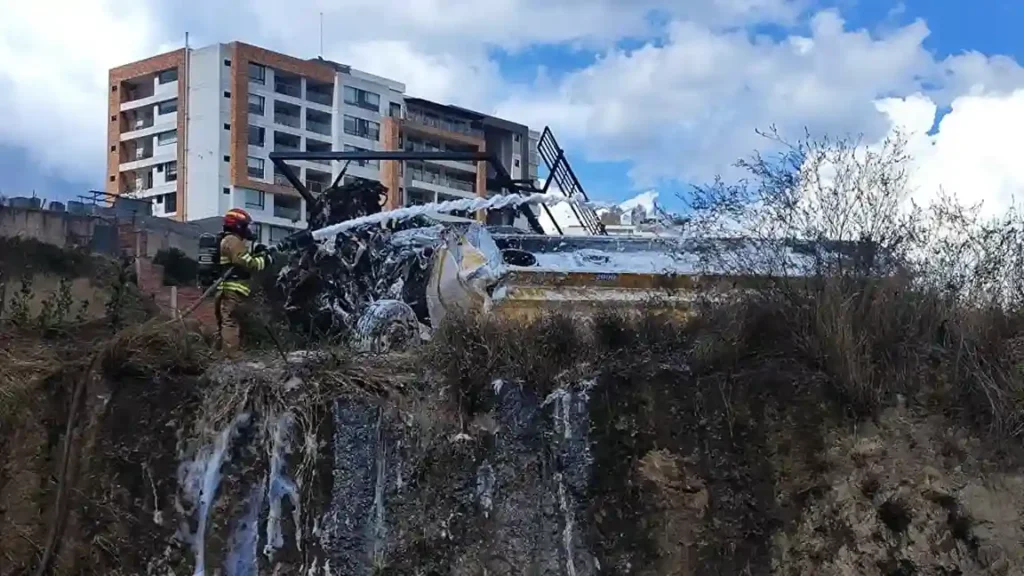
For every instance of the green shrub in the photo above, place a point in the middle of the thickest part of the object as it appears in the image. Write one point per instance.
(179, 269)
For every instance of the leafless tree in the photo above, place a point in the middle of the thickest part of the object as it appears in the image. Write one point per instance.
(834, 205)
(837, 207)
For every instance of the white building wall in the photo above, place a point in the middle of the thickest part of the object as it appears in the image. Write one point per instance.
(388, 90)
(208, 142)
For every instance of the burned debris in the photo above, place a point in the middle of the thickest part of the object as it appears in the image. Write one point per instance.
(326, 286)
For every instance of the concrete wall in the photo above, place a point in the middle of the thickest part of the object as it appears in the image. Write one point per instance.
(208, 140)
(57, 228)
(101, 234)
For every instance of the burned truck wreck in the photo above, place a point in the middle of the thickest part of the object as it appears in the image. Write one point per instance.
(328, 285)
(365, 277)
(394, 279)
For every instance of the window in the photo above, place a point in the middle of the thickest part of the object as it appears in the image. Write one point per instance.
(167, 76)
(257, 136)
(254, 167)
(362, 98)
(169, 137)
(113, 118)
(227, 126)
(374, 163)
(171, 202)
(171, 172)
(257, 104)
(515, 138)
(113, 148)
(167, 107)
(112, 177)
(395, 110)
(227, 94)
(227, 62)
(227, 191)
(515, 162)
(227, 158)
(257, 73)
(255, 199)
(278, 233)
(363, 128)
(257, 230)
(113, 88)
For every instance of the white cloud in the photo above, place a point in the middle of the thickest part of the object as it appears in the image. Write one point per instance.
(682, 106)
(688, 108)
(54, 56)
(974, 155)
(53, 75)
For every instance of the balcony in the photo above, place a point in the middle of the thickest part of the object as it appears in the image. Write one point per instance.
(287, 207)
(142, 123)
(317, 93)
(461, 165)
(288, 115)
(138, 121)
(280, 180)
(288, 89)
(318, 127)
(285, 142)
(317, 146)
(318, 122)
(442, 123)
(149, 90)
(287, 84)
(288, 120)
(134, 91)
(436, 181)
(145, 155)
(293, 214)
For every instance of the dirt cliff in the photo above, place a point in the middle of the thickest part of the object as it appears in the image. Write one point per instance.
(739, 443)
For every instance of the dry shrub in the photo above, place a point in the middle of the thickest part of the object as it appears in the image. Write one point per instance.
(154, 348)
(471, 352)
(871, 342)
(21, 368)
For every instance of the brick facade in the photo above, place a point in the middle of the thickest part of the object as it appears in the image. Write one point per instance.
(390, 170)
(117, 124)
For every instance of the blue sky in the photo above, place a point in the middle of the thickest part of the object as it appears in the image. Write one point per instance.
(987, 26)
(647, 94)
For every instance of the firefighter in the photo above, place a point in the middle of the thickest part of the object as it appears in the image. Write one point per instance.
(235, 288)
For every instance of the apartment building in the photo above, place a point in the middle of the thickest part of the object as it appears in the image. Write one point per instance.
(192, 130)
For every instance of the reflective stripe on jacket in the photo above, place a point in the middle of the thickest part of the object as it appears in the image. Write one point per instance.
(235, 254)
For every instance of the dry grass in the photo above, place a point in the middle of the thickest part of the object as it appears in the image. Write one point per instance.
(862, 344)
(155, 348)
(21, 369)
(871, 343)
(468, 353)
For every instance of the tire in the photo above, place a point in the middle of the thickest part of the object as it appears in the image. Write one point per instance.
(386, 325)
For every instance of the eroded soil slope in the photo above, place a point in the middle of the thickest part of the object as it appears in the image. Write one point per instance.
(725, 446)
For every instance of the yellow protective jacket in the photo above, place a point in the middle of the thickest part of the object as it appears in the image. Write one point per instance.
(235, 254)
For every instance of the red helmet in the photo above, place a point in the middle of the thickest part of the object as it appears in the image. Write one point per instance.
(238, 221)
